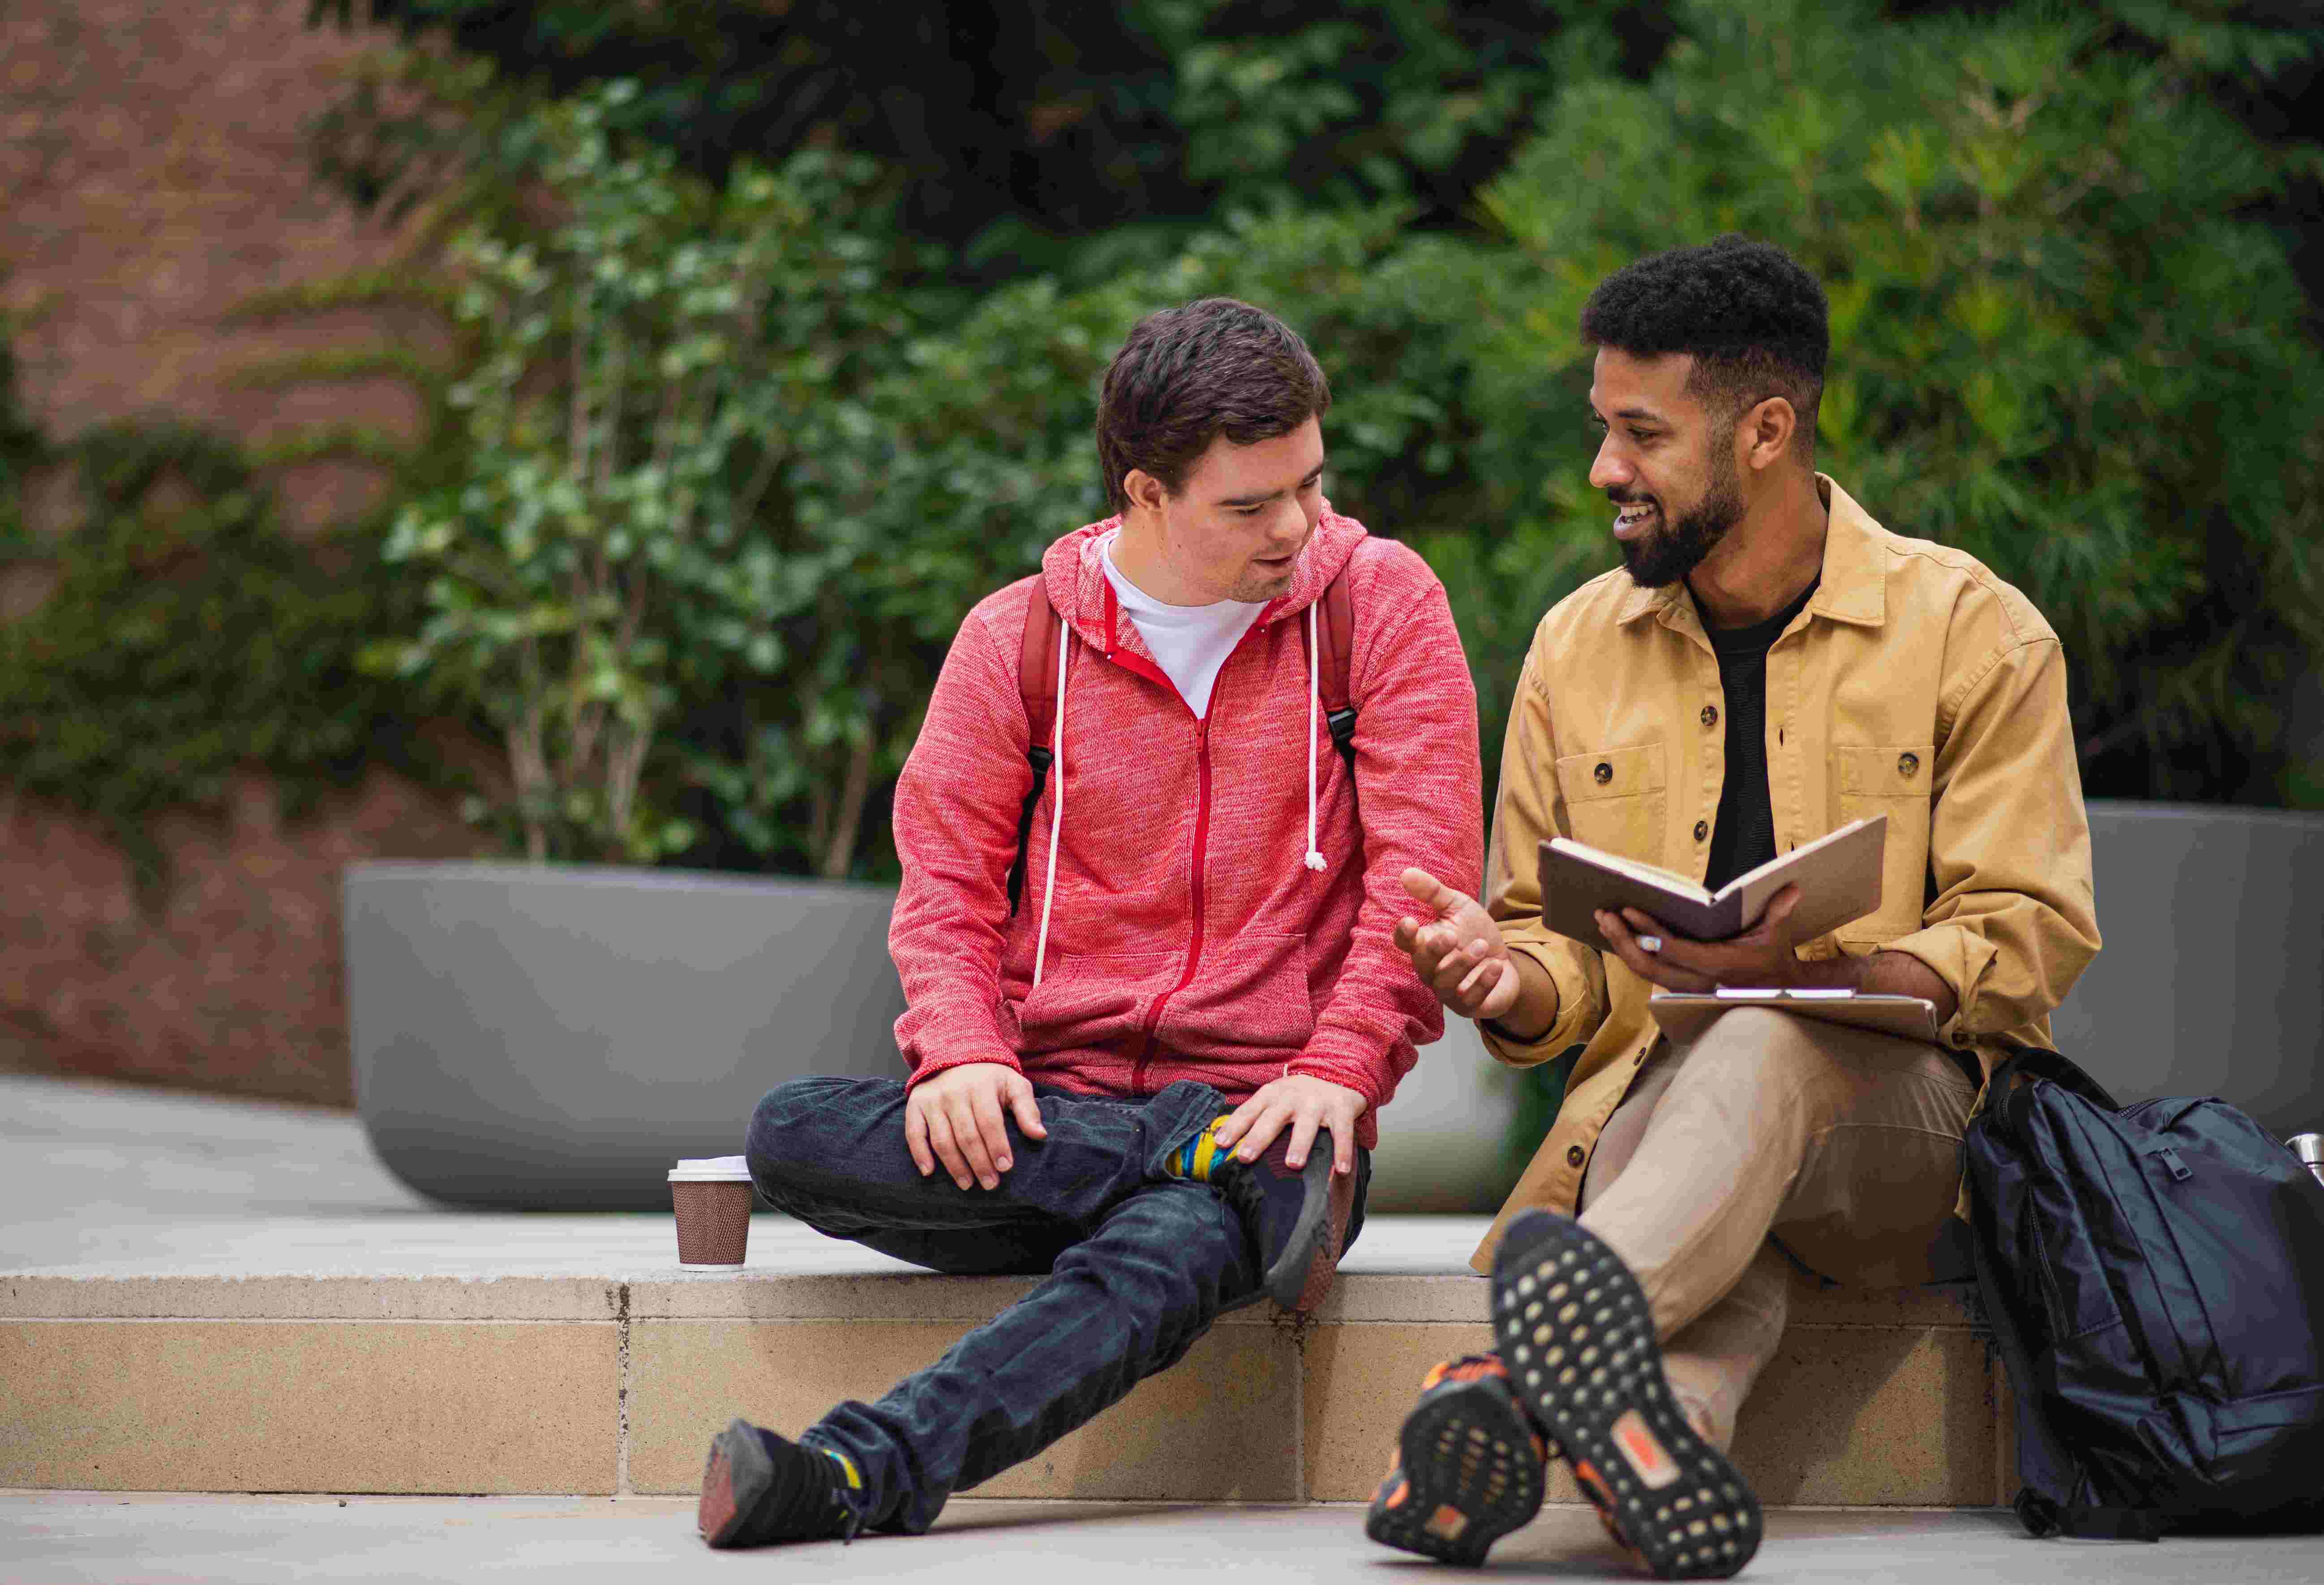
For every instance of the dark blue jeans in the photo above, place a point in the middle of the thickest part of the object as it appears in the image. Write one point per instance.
(1139, 1264)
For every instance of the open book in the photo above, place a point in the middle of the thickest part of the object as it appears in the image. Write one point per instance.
(1837, 874)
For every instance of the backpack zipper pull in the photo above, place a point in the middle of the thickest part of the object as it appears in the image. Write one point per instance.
(2169, 1159)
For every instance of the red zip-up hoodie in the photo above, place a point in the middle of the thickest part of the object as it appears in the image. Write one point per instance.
(1187, 935)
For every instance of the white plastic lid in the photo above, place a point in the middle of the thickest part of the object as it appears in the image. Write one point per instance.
(711, 1169)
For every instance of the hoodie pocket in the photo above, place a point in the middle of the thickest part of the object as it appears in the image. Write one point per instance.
(1089, 999)
(1248, 998)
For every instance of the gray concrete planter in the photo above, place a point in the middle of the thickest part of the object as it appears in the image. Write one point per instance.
(552, 1038)
(2211, 979)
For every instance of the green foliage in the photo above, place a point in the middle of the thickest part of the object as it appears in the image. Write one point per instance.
(645, 367)
(188, 640)
(2057, 341)
(1020, 131)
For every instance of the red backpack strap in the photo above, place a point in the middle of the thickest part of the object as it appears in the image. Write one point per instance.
(1037, 680)
(1335, 629)
(1036, 666)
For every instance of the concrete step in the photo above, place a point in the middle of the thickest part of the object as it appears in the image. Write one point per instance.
(565, 1354)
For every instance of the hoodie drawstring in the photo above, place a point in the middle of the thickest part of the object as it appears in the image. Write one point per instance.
(1057, 810)
(1314, 860)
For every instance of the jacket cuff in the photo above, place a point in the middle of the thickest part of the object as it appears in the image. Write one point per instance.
(1365, 1075)
(951, 1033)
(1572, 1011)
(930, 1066)
(1962, 958)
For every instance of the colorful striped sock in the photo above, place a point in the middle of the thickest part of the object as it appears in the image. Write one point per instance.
(1201, 1155)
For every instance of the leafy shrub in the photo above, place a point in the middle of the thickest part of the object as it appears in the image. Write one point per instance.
(2058, 343)
(645, 367)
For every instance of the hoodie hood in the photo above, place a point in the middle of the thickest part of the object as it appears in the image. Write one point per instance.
(1073, 571)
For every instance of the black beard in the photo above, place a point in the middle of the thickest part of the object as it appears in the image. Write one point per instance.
(1655, 560)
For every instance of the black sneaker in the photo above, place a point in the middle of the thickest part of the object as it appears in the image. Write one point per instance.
(1470, 1466)
(760, 1487)
(1299, 1217)
(1579, 1339)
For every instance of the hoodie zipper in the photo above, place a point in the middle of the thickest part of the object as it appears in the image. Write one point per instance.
(1202, 842)
(1144, 1059)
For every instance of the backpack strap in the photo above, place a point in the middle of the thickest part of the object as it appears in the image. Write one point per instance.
(2034, 1062)
(2046, 1463)
(1037, 680)
(1335, 625)
(2058, 1495)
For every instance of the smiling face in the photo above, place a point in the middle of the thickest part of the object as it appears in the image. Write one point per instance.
(1667, 460)
(1234, 530)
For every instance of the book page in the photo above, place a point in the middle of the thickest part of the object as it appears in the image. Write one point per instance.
(1838, 876)
(1655, 874)
(1796, 856)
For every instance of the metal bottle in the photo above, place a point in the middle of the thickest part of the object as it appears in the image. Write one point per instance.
(2309, 1148)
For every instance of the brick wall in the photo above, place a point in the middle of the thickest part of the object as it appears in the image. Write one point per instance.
(154, 175)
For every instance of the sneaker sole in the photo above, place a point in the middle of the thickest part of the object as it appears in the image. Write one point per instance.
(1578, 1337)
(1470, 1475)
(737, 1460)
(1303, 1274)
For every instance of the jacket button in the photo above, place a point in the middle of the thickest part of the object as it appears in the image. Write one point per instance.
(1701, 829)
(1574, 1157)
(1710, 716)
(1907, 764)
(1603, 774)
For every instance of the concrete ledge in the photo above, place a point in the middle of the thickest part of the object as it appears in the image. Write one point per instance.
(567, 1355)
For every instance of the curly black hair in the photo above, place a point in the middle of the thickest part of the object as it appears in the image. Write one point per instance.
(1754, 321)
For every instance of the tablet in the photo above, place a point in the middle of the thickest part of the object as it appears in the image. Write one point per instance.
(1684, 1015)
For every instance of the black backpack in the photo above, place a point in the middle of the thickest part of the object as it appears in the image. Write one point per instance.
(2153, 1278)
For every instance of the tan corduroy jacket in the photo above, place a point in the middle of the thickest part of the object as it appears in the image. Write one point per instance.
(1915, 684)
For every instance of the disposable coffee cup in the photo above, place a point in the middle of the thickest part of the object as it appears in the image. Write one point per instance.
(712, 1197)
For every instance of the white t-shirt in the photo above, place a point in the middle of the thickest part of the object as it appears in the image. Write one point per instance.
(1190, 642)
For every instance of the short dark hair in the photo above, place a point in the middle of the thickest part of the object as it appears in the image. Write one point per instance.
(1189, 375)
(1755, 322)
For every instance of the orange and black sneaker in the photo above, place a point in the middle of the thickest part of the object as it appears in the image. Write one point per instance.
(1579, 1338)
(1470, 1467)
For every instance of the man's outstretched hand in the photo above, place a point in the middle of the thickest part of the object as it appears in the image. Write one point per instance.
(959, 1119)
(1457, 953)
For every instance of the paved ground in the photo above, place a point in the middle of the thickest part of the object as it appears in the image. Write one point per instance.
(61, 1538)
(115, 1153)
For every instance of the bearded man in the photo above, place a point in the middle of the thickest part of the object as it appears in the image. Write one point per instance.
(1769, 664)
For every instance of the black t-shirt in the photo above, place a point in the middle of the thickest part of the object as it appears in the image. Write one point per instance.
(1744, 836)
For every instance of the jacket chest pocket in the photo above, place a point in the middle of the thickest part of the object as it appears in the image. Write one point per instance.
(1894, 781)
(1616, 800)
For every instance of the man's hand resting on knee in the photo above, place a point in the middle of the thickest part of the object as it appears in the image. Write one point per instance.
(1302, 1103)
(960, 1118)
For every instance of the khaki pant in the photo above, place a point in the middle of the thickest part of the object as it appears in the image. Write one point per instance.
(1842, 1146)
